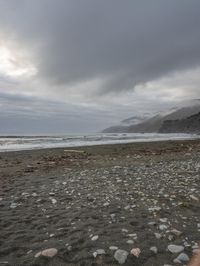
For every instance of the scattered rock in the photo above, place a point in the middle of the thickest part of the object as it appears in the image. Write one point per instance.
(176, 232)
(154, 250)
(99, 252)
(163, 227)
(131, 242)
(194, 198)
(175, 248)
(94, 238)
(157, 235)
(13, 205)
(121, 256)
(136, 252)
(54, 201)
(182, 258)
(113, 248)
(50, 252)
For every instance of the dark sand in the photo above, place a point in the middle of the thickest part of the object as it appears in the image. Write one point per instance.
(58, 199)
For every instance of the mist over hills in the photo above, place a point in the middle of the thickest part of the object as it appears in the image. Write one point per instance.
(183, 119)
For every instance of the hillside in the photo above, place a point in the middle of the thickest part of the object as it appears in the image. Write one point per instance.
(155, 123)
(190, 124)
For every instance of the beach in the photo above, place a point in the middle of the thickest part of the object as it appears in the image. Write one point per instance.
(87, 203)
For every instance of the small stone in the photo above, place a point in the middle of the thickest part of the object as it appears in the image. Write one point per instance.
(152, 223)
(175, 248)
(50, 252)
(54, 201)
(163, 220)
(30, 251)
(182, 258)
(154, 250)
(121, 256)
(163, 227)
(157, 235)
(170, 237)
(13, 205)
(113, 248)
(136, 252)
(194, 198)
(176, 232)
(154, 209)
(131, 242)
(94, 238)
(99, 252)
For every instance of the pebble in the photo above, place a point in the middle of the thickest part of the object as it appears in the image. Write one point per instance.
(154, 209)
(94, 238)
(136, 252)
(99, 252)
(50, 252)
(154, 250)
(30, 251)
(113, 248)
(131, 242)
(175, 248)
(13, 205)
(176, 232)
(124, 230)
(121, 256)
(182, 258)
(163, 227)
(54, 201)
(194, 198)
(163, 220)
(157, 235)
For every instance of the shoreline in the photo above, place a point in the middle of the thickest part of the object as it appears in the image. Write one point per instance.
(138, 195)
(86, 143)
(139, 142)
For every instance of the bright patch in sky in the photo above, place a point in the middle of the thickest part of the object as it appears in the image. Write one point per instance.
(13, 64)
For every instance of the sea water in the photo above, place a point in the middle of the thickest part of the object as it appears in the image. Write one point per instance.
(15, 143)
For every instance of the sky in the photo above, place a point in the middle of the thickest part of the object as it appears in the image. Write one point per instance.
(80, 66)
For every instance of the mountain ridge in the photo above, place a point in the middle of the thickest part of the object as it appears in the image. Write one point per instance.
(156, 122)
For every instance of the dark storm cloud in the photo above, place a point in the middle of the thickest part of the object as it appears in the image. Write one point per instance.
(121, 43)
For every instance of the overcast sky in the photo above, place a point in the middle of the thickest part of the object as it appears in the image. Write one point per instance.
(74, 66)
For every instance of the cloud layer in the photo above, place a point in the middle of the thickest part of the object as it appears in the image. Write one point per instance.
(87, 52)
(122, 43)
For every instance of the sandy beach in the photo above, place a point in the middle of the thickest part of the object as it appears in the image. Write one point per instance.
(93, 205)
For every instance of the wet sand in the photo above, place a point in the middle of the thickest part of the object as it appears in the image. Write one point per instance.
(141, 195)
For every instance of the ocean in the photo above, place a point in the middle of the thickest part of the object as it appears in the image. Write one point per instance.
(17, 143)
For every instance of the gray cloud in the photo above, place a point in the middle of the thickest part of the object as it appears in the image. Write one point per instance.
(86, 53)
(123, 43)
